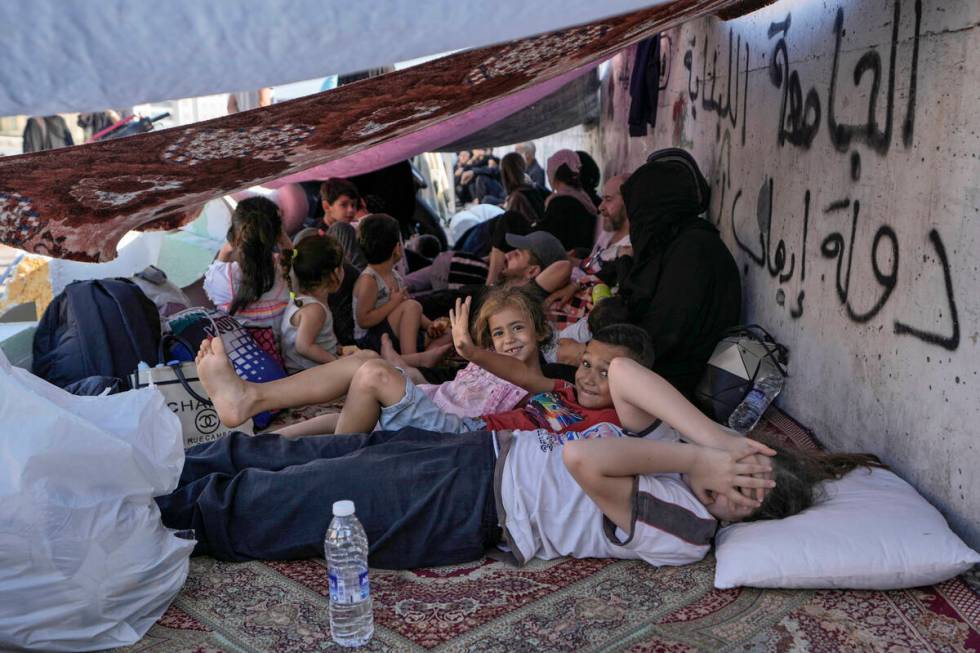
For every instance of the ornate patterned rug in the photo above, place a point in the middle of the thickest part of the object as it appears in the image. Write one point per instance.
(560, 605)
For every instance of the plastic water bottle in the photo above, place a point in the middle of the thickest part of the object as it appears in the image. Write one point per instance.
(747, 414)
(346, 547)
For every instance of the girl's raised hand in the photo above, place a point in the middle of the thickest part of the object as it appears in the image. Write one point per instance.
(459, 318)
(739, 445)
(724, 472)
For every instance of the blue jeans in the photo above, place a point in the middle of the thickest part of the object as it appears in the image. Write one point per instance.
(416, 409)
(424, 498)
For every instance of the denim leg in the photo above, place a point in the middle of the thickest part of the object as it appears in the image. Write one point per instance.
(237, 451)
(424, 499)
(417, 409)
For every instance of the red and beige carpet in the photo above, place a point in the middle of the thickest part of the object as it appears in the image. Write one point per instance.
(561, 605)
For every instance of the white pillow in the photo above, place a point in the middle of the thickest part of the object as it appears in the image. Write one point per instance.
(871, 531)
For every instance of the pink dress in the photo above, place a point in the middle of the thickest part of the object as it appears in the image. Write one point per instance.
(474, 392)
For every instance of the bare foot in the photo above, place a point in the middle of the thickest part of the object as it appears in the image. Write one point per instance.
(229, 393)
(427, 358)
(204, 350)
(389, 354)
(431, 357)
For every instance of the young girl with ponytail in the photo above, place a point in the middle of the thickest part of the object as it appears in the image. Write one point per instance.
(308, 337)
(248, 279)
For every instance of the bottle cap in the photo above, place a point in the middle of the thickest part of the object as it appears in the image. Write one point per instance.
(343, 508)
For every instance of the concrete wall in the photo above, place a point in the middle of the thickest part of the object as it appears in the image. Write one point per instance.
(842, 142)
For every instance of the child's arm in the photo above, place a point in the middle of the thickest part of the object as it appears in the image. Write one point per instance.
(641, 396)
(496, 265)
(499, 365)
(561, 296)
(605, 469)
(570, 351)
(226, 253)
(311, 318)
(366, 291)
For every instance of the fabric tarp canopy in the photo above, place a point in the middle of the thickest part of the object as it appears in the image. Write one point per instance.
(574, 103)
(79, 56)
(78, 202)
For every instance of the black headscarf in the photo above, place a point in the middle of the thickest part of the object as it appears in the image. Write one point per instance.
(663, 197)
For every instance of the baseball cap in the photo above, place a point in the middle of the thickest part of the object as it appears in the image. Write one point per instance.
(545, 246)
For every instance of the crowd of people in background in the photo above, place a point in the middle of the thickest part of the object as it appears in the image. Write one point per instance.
(362, 278)
(567, 312)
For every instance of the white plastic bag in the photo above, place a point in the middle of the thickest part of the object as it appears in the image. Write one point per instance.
(85, 562)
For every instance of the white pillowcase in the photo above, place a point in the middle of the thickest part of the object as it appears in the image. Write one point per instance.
(871, 531)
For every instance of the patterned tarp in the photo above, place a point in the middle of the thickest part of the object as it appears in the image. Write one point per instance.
(81, 56)
(78, 202)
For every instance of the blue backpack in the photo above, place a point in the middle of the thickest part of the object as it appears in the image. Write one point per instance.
(101, 328)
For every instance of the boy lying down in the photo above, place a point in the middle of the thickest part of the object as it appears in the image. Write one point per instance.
(428, 499)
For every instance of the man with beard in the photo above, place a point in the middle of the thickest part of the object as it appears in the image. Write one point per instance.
(570, 307)
(615, 238)
(682, 285)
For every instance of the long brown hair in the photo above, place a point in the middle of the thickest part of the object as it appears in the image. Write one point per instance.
(254, 232)
(798, 475)
(513, 170)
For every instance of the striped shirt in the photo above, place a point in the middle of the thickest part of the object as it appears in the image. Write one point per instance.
(221, 281)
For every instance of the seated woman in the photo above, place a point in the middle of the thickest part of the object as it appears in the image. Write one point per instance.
(428, 498)
(569, 213)
(522, 195)
(589, 175)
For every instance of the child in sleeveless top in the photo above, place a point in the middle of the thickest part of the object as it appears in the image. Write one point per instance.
(381, 302)
(308, 337)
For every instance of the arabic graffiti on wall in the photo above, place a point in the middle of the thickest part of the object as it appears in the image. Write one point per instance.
(842, 218)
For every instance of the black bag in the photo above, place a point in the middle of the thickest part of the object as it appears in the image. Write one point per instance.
(743, 355)
(103, 328)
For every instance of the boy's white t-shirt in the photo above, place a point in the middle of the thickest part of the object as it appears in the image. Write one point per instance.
(546, 514)
(577, 331)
